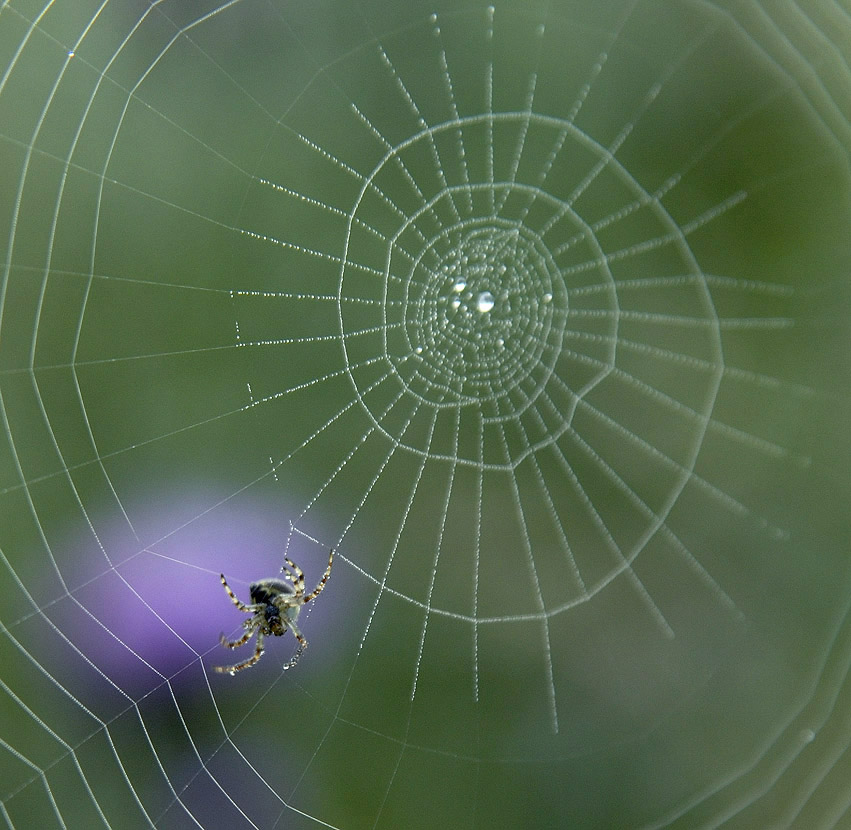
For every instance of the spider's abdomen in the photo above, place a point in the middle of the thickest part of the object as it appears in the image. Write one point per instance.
(267, 590)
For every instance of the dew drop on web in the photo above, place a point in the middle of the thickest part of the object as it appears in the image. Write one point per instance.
(484, 302)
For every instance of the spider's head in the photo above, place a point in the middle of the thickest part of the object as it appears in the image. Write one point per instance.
(272, 618)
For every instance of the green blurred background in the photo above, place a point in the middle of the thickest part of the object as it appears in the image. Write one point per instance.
(592, 542)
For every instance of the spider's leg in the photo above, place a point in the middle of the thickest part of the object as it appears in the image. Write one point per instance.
(245, 664)
(288, 575)
(298, 579)
(236, 643)
(318, 589)
(237, 602)
(302, 645)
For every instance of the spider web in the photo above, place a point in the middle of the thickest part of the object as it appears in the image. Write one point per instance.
(536, 313)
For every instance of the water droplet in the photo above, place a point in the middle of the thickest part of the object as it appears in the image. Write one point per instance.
(456, 303)
(419, 350)
(460, 285)
(500, 342)
(484, 302)
(548, 298)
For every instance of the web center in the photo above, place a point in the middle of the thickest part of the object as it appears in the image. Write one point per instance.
(485, 313)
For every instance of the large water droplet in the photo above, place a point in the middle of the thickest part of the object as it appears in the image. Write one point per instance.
(484, 302)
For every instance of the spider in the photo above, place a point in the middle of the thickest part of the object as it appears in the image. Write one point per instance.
(275, 604)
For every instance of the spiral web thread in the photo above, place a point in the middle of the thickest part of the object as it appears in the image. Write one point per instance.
(502, 291)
